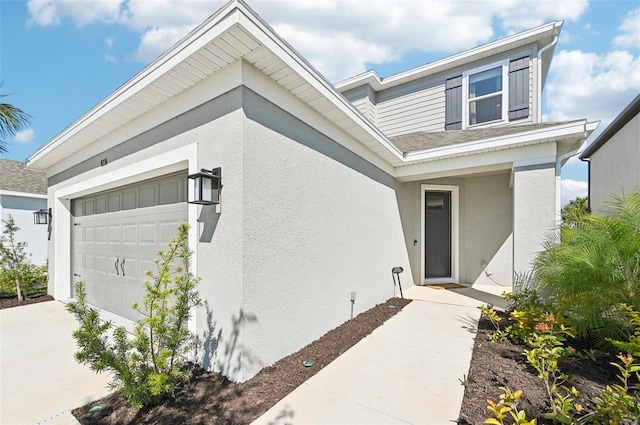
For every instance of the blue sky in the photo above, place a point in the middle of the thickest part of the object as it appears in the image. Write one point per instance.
(59, 58)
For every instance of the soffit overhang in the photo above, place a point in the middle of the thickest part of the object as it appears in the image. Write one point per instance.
(233, 33)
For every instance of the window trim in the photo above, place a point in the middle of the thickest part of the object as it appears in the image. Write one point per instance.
(504, 64)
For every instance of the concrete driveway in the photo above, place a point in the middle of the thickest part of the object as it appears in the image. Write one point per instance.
(39, 378)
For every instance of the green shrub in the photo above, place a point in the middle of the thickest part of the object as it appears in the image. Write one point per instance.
(18, 276)
(595, 268)
(147, 365)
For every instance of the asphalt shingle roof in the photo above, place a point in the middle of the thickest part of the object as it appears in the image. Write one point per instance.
(423, 140)
(14, 177)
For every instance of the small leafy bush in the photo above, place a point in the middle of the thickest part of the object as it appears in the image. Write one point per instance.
(18, 276)
(506, 410)
(594, 268)
(147, 365)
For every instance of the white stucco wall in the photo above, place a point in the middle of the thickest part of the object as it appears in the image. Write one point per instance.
(487, 229)
(533, 211)
(318, 223)
(21, 208)
(614, 167)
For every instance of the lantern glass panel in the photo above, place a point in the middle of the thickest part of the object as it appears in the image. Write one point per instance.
(207, 193)
(197, 190)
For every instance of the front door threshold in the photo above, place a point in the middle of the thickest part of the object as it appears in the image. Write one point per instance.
(439, 280)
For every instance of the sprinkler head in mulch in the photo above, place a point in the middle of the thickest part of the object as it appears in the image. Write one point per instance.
(307, 363)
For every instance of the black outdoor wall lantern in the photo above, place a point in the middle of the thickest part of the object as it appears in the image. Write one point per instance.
(42, 216)
(206, 186)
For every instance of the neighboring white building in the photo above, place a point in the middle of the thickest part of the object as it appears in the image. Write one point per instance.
(444, 170)
(614, 158)
(22, 192)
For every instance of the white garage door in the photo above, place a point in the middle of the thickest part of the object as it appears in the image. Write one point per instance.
(117, 235)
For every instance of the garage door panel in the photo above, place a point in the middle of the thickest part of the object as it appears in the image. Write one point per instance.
(147, 196)
(129, 199)
(89, 207)
(169, 192)
(129, 234)
(89, 235)
(129, 267)
(167, 230)
(114, 298)
(148, 234)
(113, 201)
(89, 262)
(115, 234)
(78, 260)
(101, 234)
(101, 205)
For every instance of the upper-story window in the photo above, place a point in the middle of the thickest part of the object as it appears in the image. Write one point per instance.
(495, 93)
(485, 96)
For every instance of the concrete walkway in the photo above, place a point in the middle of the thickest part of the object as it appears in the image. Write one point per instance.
(409, 370)
(39, 378)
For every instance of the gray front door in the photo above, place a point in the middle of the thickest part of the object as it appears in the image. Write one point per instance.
(437, 237)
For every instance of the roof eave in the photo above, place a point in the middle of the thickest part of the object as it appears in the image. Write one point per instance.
(579, 130)
(536, 34)
(621, 120)
(235, 13)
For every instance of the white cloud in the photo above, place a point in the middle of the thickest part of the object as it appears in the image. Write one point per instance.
(352, 34)
(24, 136)
(593, 86)
(52, 12)
(156, 40)
(342, 46)
(514, 18)
(110, 41)
(110, 58)
(630, 29)
(572, 189)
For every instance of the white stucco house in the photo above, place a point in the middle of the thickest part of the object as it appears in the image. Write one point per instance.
(22, 192)
(613, 159)
(445, 170)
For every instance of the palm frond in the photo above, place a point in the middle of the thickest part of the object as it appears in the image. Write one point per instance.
(12, 120)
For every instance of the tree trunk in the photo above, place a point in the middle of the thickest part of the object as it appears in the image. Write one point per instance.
(19, 290)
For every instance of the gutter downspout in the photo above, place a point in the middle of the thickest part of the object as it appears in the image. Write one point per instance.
(540, 52)
(561, 158)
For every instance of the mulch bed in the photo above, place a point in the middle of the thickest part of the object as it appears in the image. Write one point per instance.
(31, 299)
(504, 364)
(211, 399)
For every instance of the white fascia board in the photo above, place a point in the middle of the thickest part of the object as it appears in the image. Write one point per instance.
(291, 58)
(575, 129)
(23, 194)
(538, 33)
(475, 164)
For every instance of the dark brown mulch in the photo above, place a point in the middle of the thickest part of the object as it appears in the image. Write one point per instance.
(503, 364)
(211, 399)
(31, 299)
